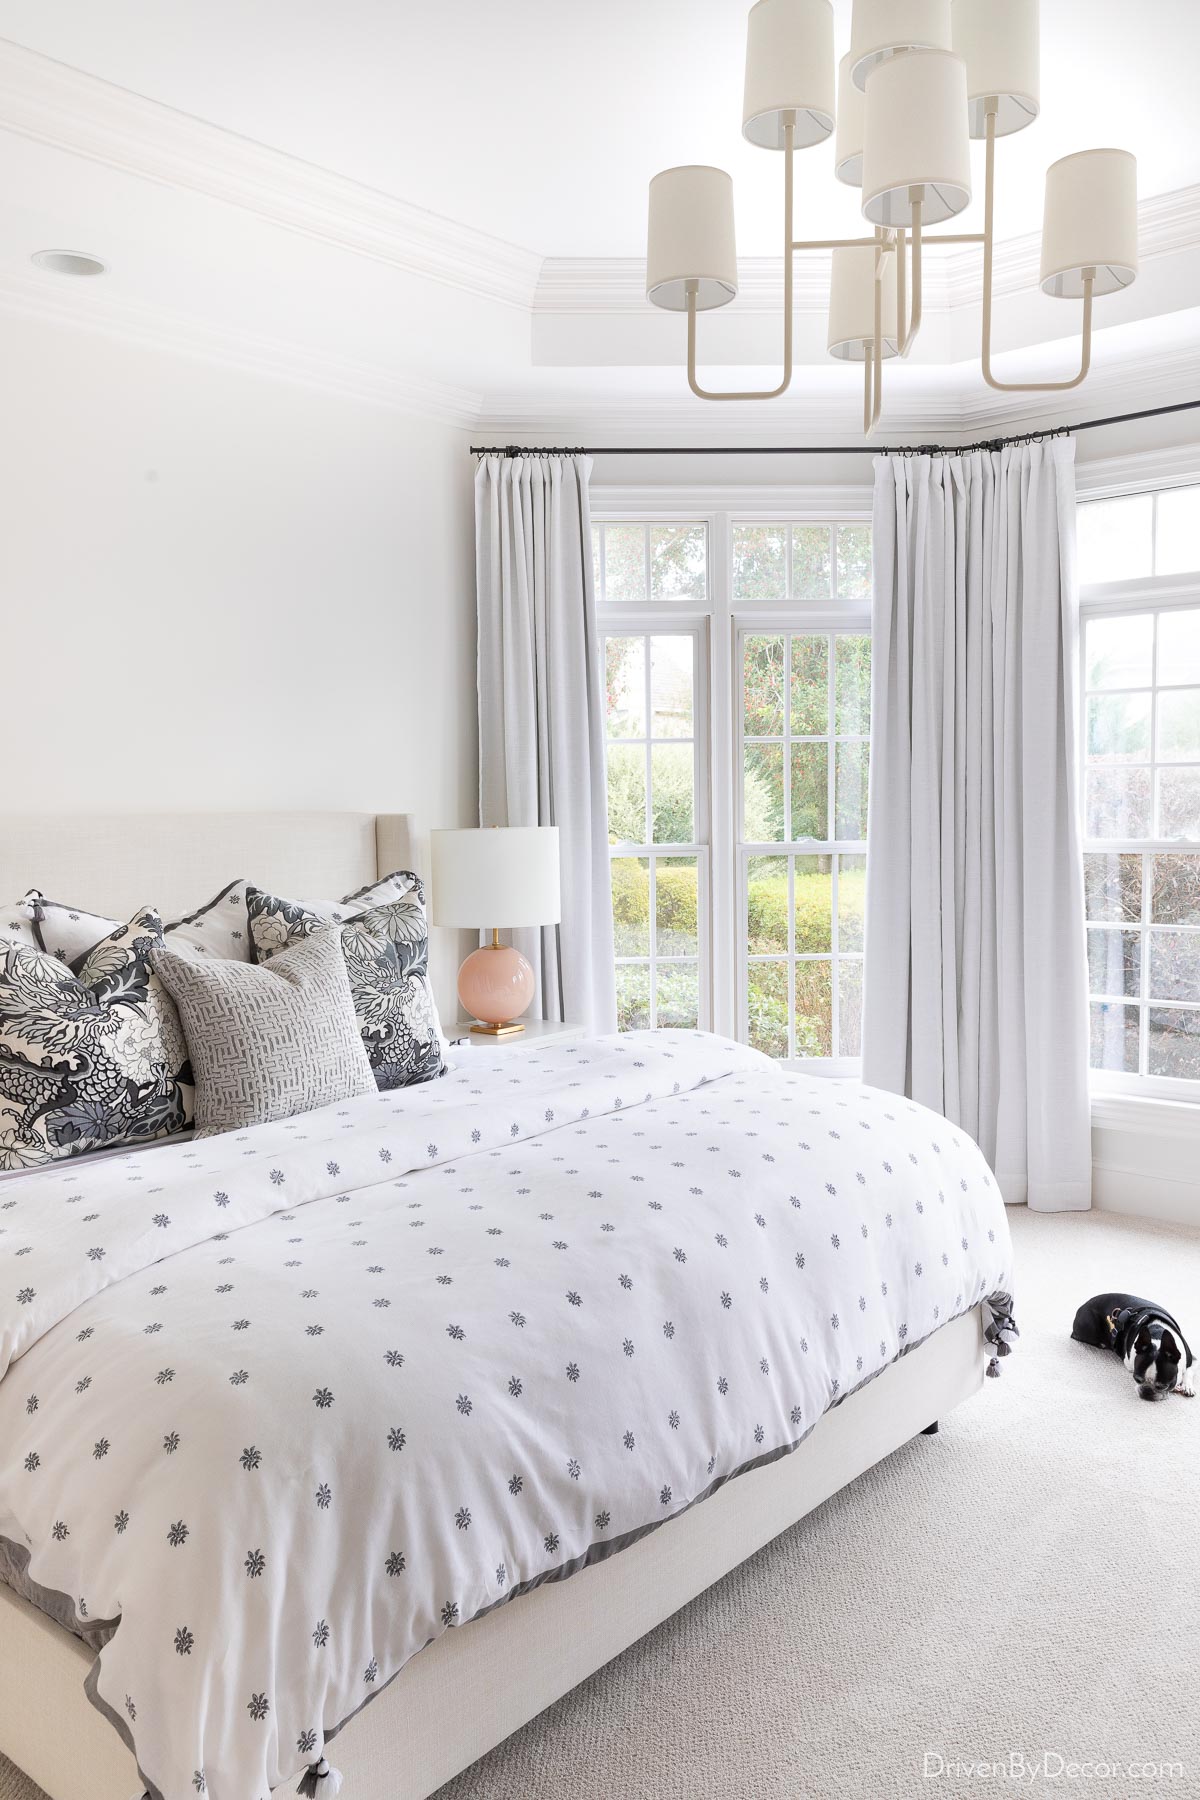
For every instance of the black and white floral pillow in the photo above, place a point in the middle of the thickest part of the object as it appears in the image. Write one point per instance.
(91, 1056)
(386, 945)
(219, 930)
(63, 931)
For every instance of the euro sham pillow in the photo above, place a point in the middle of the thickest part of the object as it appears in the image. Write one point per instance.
(90, 1057)
(272, 1042)
(52, 926)
(385, 941)
(220, 928)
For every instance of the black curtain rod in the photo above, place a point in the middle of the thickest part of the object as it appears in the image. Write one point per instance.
(1025, 437)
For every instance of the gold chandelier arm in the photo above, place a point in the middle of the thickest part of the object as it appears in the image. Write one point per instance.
(1089, 277)
(789, 154)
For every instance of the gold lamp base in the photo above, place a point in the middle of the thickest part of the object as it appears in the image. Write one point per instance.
(509, 1029)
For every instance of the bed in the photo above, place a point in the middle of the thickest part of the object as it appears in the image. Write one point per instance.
(517, 1651)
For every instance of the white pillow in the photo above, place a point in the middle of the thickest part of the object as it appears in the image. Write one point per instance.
(219, 931)
(53, 927)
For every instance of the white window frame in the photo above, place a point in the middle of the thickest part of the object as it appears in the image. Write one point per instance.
(719, 691)
(1145, 594)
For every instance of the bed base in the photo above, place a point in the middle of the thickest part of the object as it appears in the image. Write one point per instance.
(519, 1659)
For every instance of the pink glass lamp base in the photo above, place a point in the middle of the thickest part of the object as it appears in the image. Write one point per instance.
(496, 984)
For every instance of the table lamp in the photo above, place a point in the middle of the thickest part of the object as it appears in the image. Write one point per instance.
(505, 876)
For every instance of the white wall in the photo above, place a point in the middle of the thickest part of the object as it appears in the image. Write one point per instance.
(222, 591)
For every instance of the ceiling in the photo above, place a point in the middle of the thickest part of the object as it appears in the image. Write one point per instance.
(226, 157)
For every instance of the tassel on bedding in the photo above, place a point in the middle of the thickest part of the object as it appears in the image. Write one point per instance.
(320, 1779)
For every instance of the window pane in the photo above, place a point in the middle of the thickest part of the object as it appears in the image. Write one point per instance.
(1115, 962)
(671, 669)
(678, 562)
(1175, 965)
(1115, 1038)
(624, 562)
(673, 778)
(626, 794)
(1118, 727)
(762, 793)
(810, 686)
(765, 665)
(814, 1009)
(625, 686)
(1120, 652)
(854, 562)
(766, 905)
(811, 578)
(1179, 646)
(1179, 725)
(1174, 1043)
(767, 1007)
(631, 905)
(677, 931)
(1115, 539)
(633, 997)
(852, 772)
(1113, 886)
(678, 996)
(1179, 803)
(759, 562)
(810, 791)
(1118, 803)
(1175, 890)
(1178, 547)
(850, 992)
(853, 662)
(813, 905)
(852, 901)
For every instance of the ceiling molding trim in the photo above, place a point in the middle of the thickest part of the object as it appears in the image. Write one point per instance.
(57, 105)
(1140, 471)
(49, 301)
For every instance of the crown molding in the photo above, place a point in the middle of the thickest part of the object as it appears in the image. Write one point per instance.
(57, 105)
(1167, 223)
(396, 389)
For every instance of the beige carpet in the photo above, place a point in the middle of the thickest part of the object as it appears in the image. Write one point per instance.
(1026, 1582)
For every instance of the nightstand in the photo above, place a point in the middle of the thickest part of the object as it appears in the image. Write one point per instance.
(537, 1032)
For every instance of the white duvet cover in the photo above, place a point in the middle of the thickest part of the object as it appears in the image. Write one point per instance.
(288, 1404)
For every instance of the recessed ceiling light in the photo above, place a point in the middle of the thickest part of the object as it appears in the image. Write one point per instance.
(69, 262)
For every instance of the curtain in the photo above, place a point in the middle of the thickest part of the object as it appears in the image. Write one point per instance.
(976, 999)
(541, 715)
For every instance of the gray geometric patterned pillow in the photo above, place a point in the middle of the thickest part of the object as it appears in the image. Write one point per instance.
(89, 1058)
(268, 1043)
(386, 947)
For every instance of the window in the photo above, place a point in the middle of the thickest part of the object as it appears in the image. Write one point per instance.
(1141, 672)
(737, 689)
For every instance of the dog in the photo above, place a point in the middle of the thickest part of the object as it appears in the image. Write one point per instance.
(1145, 1336)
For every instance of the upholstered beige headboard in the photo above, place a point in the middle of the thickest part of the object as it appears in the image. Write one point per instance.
(114, 862)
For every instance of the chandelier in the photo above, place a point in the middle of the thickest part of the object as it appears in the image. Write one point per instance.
(921, 79)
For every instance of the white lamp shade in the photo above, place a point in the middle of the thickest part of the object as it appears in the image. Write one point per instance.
(916, 136)
(496, 878)
(1090, 223)
(691, 238)
(851, 109)
(789, 68)
(879, 28)
(852, 303)
(1000, 46)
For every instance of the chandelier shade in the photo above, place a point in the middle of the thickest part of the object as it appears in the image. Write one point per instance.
(848, 148)
(852, 303)
(1001, 48)
(880, 28)
(916, 138)
(691, 238)
(789, 69)
(1090, 223)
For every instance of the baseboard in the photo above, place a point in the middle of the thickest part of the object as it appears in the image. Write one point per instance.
(1144, 1195)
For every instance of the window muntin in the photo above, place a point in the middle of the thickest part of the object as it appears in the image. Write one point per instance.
(1133, 536)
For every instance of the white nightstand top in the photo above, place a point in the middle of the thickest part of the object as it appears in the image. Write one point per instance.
(537, 1031)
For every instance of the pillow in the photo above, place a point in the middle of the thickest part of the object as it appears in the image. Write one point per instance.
(268, 1043)
(386, 947)
(91, 1058)
(61, 931)
(219, 929)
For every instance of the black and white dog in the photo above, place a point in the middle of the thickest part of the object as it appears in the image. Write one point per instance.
(1146, 1338)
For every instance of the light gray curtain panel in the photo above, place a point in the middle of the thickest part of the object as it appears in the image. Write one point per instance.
(976, 1000)
(541, 713)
